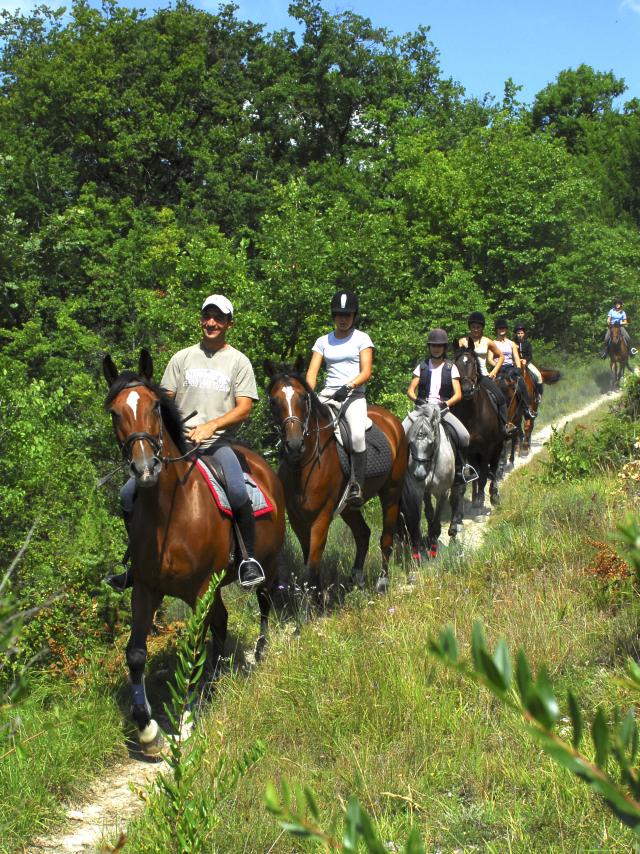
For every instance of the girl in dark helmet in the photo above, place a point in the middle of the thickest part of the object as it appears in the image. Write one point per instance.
(526, 357)
(512, 366)
(437, 381)
(348, 356)
(483, 346)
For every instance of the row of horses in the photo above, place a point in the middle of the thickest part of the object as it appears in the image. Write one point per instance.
(178, 538)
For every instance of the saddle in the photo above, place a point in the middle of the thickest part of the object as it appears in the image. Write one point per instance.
(214, 479)
(379, 459)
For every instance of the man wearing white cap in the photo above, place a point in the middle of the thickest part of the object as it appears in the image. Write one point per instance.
(216, 381)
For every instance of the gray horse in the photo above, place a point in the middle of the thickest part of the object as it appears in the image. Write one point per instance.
(430, 475)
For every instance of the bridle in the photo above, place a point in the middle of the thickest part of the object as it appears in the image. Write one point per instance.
(307, 430)
(428, 460)
(472, 385)
(156, 442)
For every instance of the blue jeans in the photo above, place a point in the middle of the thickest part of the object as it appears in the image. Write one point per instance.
(224, 456)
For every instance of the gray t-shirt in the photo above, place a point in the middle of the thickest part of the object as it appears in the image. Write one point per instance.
(209, 383)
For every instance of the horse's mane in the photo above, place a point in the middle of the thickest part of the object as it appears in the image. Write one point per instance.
(288, 373)
(171, 416)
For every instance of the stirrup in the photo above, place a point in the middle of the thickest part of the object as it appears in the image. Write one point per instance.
(355, 497)
(253, 573)
(469, 474)
(634, 351)
(509, 428)
(121, 581)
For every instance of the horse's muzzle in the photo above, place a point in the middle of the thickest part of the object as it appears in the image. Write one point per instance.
(147, 474)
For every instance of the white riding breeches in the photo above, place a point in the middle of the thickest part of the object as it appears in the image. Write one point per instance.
(535, 373)
(354, 412)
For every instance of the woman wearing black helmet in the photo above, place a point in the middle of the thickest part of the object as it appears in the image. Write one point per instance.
(348, 355)
(483, 346)
(437, 381)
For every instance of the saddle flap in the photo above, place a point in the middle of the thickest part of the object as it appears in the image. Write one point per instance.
(259, 500)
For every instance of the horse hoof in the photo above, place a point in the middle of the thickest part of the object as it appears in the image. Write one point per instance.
(357, 578)
(261, 645)
(151, 739)
(433, 552)
(416, 557)
(382, 585)
(495, 500)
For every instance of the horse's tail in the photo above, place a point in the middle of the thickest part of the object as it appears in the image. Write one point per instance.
(549, 376)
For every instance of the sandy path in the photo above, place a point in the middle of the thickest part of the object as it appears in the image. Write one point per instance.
(110, 803)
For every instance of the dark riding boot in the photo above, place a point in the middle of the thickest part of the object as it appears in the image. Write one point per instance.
(465, 473)
(356, 483)
(120, 581)
(250, 572)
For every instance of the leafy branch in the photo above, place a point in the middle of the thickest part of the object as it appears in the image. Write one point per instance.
(297, 811)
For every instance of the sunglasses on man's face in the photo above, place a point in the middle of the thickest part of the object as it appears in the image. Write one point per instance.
(216, 316)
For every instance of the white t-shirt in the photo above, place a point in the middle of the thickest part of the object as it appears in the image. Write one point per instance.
(436, 381)
(342, 356)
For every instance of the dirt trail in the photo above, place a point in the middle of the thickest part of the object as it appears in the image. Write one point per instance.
(110, 803)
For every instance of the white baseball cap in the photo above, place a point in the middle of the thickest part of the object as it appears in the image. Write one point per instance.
(220, 302)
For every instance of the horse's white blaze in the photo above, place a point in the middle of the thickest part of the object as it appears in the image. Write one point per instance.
(132, 402)
(288, 392)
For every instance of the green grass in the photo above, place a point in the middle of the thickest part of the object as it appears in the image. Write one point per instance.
(581, 382)
(64, 735)
(355, 705)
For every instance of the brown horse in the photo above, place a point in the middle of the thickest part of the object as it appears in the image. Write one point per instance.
(313, 479)
(178, 536)
(618, 356)
(479, 416)
(549, 377)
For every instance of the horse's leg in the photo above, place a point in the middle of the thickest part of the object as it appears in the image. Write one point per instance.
(264, 603)
(494, 462)
(361, 534)
(456, 503)
(218, 619)
(435, 528)
(410, 513)
(390, 502)
(144, 603)
(429, 512)
(317, 542)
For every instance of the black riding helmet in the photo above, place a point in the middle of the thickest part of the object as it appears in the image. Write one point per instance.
(501, 322)
(344, 302)
(438, 336)
(520, 328)
(476, 317)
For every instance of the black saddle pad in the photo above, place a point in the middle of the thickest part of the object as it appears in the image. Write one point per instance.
(379, 459)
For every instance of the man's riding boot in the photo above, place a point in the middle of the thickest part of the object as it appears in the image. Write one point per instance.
(122, 580)
(356, 483)
(250, 572)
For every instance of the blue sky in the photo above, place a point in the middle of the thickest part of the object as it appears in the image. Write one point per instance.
(483, 42)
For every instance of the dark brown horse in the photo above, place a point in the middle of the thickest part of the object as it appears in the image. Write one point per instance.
(520, 413)
(479, 416)
(618, 356)
(178, 536)
(313, 479)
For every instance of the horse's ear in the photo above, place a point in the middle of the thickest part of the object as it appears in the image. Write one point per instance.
(269, 368)
(299, 365)
(109, 370)
(145, 365)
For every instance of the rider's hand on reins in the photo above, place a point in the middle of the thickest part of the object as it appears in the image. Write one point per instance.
(342, 394)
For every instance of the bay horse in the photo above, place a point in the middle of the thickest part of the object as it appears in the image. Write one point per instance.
(178, 536)
(549, 377)
(313, 479)
(479, 416)
(618, 356)
(430, 476)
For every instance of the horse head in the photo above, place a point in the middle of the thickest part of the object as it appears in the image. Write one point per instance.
(424, 439)
(466, 361)
(135, 408)
(292, 402)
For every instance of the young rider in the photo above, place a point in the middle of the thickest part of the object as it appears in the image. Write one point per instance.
(617, 317)
(525, 351)
(509, 350)
(483, 346)
(437, 381)
(216, 381)
(348, 355)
